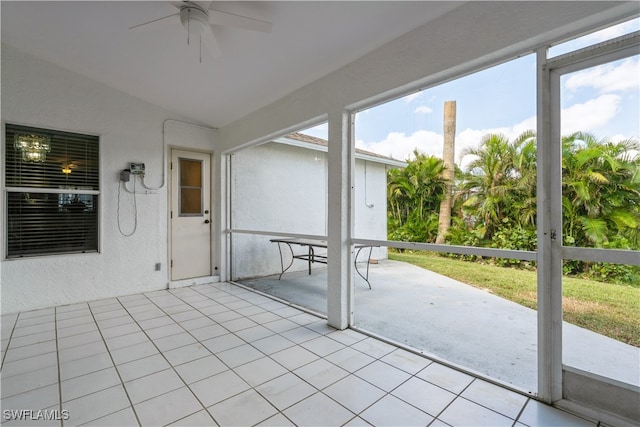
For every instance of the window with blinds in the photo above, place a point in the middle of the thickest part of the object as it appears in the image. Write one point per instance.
(52, 192)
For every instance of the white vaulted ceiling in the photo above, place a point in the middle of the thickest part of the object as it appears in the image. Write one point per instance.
(308, 41)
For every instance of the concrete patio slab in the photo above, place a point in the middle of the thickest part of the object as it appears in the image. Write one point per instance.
(463, 325)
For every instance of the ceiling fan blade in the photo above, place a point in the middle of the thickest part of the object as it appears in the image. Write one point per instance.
(139, 26)
(217, 17)
(204, 5)
(210, 43)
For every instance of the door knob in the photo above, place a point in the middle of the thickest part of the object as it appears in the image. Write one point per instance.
(206, 221)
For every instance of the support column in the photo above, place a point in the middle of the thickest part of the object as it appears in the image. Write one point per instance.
(339, 217)
(549, 217)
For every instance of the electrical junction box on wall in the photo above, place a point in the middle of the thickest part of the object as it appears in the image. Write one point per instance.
(137, 168)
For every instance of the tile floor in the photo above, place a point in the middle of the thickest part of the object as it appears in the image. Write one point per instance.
(220, 354)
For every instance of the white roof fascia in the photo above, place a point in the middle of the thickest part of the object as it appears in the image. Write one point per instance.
(324, 149)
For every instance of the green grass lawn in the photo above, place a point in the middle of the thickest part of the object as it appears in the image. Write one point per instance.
(608, 309)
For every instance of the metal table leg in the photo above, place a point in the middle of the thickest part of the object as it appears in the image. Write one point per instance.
(355, 262)
(282, 261)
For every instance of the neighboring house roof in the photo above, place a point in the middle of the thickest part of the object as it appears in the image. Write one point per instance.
(319, 144)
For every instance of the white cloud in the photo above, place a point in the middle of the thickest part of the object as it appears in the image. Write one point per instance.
(590, 115)
(423, 109)
(587, 116)
(613, 32)
(400, 146)
(412, 96)
(607, 78)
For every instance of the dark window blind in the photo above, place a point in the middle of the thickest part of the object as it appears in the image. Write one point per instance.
(52, 206)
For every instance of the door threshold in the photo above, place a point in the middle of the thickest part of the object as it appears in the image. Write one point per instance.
(174, 284)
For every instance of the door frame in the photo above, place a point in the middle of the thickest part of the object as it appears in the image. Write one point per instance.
(170, 194)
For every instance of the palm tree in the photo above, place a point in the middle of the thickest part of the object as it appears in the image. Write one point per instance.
(600, 190)
(414, 193)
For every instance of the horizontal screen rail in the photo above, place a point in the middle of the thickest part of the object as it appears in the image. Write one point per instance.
(461, 250)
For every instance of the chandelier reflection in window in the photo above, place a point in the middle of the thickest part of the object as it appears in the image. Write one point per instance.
(34, 148)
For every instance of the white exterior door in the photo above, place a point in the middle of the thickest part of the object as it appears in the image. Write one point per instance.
(190, 216)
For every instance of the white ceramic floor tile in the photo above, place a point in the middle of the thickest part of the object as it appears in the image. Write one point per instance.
(119, 330)
(142, 367)
(300, 334)
(126, 340)
(277, 420)
(200, 369)
(281, 325)
(260, 371)
(89, 383)
(96, 405)
(264, 317)
(198, 419)
(294, 357)
(19, 353)
(318, 410)
(383, 375)
(116, 321)
(81, 351)
(354, 393)
(222, 343)
(538, 414)
(285, 390)
(321, 373)
(75, 330)
(124, 417)
(445, 377)
(501, 400)
(81, 339)
(33, 339)
(153, 385)
(462, 411)
(322, 346)
(272, 344)
(79, 367)
(240, 355)
(174, 341)
(358, 422)
(391, 411)
(40, 398)
(373, 347)
(29, 381)
(255, 333)
(38, 418)
(350, 359)
(425, 396)
(346, 337)
(21, 331)
(156, 322)
(74, 321)
(225, 316)
(185, 354)
(189, 314)
(197, 323)
(238, 324)
(208, 332)
(233, 411)
(167, 408)
(138, 351)
(28, 364)
(407, 361)
(219, 387)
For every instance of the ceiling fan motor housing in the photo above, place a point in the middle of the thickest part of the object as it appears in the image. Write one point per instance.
(194, 19)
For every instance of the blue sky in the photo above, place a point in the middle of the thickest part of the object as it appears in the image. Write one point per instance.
(603, 100)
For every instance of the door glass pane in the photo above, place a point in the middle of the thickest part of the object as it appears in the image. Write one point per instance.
(190, 187)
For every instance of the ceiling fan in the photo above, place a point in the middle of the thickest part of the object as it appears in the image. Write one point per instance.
(197, 17)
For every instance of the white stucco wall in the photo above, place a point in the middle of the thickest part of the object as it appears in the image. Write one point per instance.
(40, 94)
(283, 188)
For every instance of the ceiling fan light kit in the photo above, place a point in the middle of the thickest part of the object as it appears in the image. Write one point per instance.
(195, 20)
